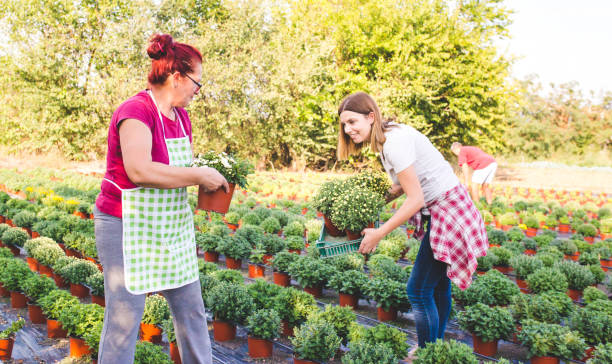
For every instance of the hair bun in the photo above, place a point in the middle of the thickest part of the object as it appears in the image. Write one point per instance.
(159, 45)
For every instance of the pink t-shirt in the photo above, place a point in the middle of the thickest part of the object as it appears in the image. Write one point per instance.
(474, 157)
(139, 107)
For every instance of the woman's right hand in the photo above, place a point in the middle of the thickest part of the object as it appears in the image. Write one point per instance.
(211, 179)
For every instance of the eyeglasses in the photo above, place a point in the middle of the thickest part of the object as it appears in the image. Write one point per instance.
(199, 85)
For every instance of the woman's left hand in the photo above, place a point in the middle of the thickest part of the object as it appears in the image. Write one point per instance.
(371, 238)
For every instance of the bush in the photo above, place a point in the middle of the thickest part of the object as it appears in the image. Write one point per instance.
(382, 266)
(503, 256)
(578, 277)
(95, 282)
(149, 353)
(295, 243)
(264, 324)
(529, 243)
(310, 272)
(12, 329)
(283, 260)
(493, 288)
(327, 195)
(587, 230)
(293, 305)
(156, 310)
(230, 302)
(14, 273)
(232, 218)
(524, 265)
(355, 208)
(361, 352)
(15, 237)
(37, 286)
(509, 218)
(228, 276)
(515, 234)
(497, 236)
(339, 317)
(351, 282)
(551, 340)
(351, 261)
(313, 229)
(486, 262)
(595, 327)
(295, 228)
(602, 354)
(79, 319)
(568, 247)
(78, 271)
(375, 181)
(48, 253)
(168, 328)
(488, 323)
(539, 308)
(263, 293)
(253, 234)
(588, 259)
(25, 219)
(270, 225)
(591, 294)
(251, 219)
(547, 279)
(235, 247)
(388, 294)
(445, 352)
(273, 244)
(207, 241)
(206, 268)
(219, 229)
(207, 282)
(55, 301)
(316, 341)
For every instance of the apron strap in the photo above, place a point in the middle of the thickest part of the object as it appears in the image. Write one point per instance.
(161, 120)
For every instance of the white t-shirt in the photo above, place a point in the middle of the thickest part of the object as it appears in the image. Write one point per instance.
(406, 146)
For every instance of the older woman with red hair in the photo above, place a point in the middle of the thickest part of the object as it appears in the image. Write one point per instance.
(143, 222)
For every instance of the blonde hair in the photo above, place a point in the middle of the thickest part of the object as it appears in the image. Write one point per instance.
(361, 103)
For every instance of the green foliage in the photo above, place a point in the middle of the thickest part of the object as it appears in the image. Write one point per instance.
(361, 352)
(228, 276)
(497, 236)
(283, 260)
(595, 327)
(149, 353)
(12, 329)
(95, 282)
(14, 274)
(578, 277)
(14, 236)
(488, 323)
(168, 328)
(341, 319)
(445, 352)
(384, 267)
(349, 281)
(25, 219)
(375, 181)
(263, 293)
(235, 247)
(273, 244)
(79, 319)
(253, 234)
(602, 354)
(355, 208)
(591, 294)
(156, 310)
(78, 271)
(295, 242)
(55, 302)
(351, 261)
(380, 335)
(207, 241)
(310, 272)
(205, 267)
(316, 341)
(235, 170)
(37, 286)
(92, 337)
(324, 199)
(515, 234)
(230, 302)
(551, 340)
(264, 324)
(587, 230)
(524, 265)
(493, 288)
(294, 306)
(503, 256)
(486, 262)
(270, 225)
(547, 279)
(549, 307)
(388, 294)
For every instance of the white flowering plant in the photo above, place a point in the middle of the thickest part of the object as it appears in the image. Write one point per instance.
(355, 208)
(235, 170)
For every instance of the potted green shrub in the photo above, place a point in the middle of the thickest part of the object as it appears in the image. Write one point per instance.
(564, 224)
(271, 244)
(149, 353)
(263, 327)
(493, 288)
(390, 297)
(314, 342)
(380, 335)
(235, 248)
(168, 328)
(156, 310)
(595, 327)
(548, 343)
(569, 249)
(362, 352)
(280, 264)
(270, 225)
(375, 181)
(443, 352)
(235, 171)
(231, 304)
(13, 275)
(532, 226)
(485, 263)
(58, 265)
(95, 282)
(232, 219)
(523, 266)
(341, 319)
(35, 287)
(295, 228)
(312, 274)
(508, 220)
(47, 254)
(251, 218)
(76, 273)
(350, 285)
(530, 246)
(228, 276)
(14, 238)
(263, 293)
(578, 277)
(355, 209)
(295, 244)
(351, 261)
(602, 354)
(496, 237)
(547, 279)
(487, 325)
(324, 200)
(92, 338)
(256, 263)
(25, 219)
(52, 305)
(7, 339)
(382, 266)
(502, 263)
(587, 230)
(293, 306)
(208, 243)
(78, 320)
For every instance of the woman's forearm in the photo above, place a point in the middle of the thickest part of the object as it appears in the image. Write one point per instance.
(159, 175)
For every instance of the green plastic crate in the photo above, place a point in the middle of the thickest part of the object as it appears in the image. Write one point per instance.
(339, 246)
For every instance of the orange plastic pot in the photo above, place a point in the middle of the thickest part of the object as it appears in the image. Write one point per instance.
(353, 235)
(4, 292)
(259, 348)
(98, 300)
(36, 315)
(59, 281)
(589, 239)
(18, 300)
(295, 251)
(232, 263)
(544, 360)
(522, 284)
(529, 252)
(32, 264)
(6, 348)
(212, 257)
(506, 227)
(175, 355)
(15, 250)
(150, 333)
(79, 290)
(488, 348)
(256, 271)
(223, 331)
(331, 228)
(531, 232)
(574, 294)
(35, 235)
(55, 329)
(316, 292)
(286, 328)
(564, 228)
(504, 270)
(386, 315)
(44, 270)
(282, 279)
(348, 300)
(267, 258)
(217, 201)
(78, 348)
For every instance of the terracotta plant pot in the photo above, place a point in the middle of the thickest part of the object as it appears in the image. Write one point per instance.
(282, 279)
(98, 300)
(212, 257)
(504, 270)
(259, 348)
(15, 250)
(18, 300)
(44, 270)
(217, 201)
(79, 290)
(233, 227)
(564, 228)
(316, 292)
(150, 333)
(302, 361)
(78, 348)
(256, 271)
(232, 263)
(349, 300)
(4, 292)
(36, 315)
(531, 232)
(331, 228)
(223, 331)
(267, 258)
(544, 360)
(383, 315)
(35, 235)
(59, 281)
(55, 329)
(286, 328)
(529, 252)
(6, 348)
(574, 294)
(522, 284)
(175, 355)
(488, 348)
(506, 227)
(295, 251)
(353, 235)
(33, 264)
(588, 353)
(589, 239)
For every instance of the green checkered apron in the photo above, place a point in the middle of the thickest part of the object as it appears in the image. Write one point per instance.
(158, 233)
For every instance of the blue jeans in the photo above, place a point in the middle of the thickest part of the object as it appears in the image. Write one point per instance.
(429, 291)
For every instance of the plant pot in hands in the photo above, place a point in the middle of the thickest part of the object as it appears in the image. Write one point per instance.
(217, 201)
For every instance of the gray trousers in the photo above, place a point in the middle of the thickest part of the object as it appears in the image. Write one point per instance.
(124, 310)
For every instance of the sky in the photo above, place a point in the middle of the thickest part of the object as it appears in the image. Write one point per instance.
(562, 41)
